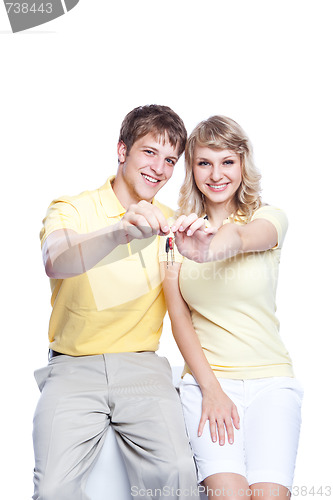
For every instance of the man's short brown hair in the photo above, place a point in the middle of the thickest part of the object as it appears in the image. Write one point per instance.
(157, 120)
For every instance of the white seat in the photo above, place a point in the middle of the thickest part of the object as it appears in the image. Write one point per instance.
(108, 480)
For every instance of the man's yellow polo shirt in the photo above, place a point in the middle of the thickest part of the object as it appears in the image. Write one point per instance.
(118, 306)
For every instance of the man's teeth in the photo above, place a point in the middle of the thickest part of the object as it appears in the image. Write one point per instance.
(149, 178)
(220, 186)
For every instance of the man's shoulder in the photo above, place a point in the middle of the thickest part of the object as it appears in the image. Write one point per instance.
(80, 200)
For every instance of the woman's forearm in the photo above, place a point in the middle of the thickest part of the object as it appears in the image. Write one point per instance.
(201, 244)
(191, 350)
(183, 330)
(226, 243)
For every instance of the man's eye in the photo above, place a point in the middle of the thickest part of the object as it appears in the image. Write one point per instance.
(149, 151)
(171, 162)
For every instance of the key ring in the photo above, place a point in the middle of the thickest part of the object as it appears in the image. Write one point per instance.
(169, 247)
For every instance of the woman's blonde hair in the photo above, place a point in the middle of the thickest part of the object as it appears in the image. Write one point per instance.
(220, 132)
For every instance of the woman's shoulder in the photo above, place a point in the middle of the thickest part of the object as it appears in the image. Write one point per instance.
(268, 210)
(276, 216)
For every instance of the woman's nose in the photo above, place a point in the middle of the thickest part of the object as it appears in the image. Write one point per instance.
(217, 173)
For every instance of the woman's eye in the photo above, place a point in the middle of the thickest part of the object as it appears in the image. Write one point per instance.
(203, 163)
(228, 162)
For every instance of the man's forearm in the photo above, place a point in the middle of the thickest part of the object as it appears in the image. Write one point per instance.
(67, 253)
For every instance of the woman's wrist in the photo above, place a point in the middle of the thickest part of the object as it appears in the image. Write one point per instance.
(210, 385)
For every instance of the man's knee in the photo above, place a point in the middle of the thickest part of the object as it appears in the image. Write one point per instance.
(186, 467)
(49, 491)
(178, 471)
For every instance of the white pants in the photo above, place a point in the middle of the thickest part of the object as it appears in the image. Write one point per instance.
(265, 446)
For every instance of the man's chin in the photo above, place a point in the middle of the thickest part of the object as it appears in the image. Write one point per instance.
(149, 193)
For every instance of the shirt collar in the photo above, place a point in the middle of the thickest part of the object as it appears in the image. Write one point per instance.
(110, 202)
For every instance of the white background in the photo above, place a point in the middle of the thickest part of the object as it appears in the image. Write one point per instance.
(64, 90)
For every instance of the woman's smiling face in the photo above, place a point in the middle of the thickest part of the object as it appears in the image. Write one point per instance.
(217, 174)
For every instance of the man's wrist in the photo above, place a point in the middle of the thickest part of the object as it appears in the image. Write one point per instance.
(118, 235)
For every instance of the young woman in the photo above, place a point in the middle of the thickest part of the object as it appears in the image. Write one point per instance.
(241, 402)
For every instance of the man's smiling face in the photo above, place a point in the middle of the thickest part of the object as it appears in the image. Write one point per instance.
(145, 169)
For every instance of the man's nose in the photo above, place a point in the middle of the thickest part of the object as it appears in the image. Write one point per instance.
(157, 165)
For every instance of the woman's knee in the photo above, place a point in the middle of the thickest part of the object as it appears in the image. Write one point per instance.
(226, 485)
(269, 491)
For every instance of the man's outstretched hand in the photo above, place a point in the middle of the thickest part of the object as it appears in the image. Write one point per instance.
(142, 220)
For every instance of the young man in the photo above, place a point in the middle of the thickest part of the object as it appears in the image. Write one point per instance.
(100, 250)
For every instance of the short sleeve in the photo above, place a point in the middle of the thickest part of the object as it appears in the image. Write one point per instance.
(61, 214)
(162, 254)
(277, 217)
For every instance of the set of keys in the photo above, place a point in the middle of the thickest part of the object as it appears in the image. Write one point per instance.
(169, 247)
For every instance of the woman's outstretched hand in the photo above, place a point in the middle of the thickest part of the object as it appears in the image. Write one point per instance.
(193, 237)
(222, 414)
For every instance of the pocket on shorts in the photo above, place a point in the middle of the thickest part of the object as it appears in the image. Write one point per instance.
(293, 384)
(41, 375)
(187, 387)
(188, 379)
(299, 390)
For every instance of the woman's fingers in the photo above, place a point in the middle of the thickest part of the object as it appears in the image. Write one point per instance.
(178, 223)
(230, 430)
(212, 427)
(211, 230)
(222, 415)
(235, 417)
(197, 224)
(202, 422)
(184, 222)
(220, 427)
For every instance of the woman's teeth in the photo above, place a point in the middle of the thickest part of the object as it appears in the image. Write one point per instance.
(217, 187)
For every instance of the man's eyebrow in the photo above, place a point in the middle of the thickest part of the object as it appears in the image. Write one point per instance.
(149, 147)
(156, 151)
